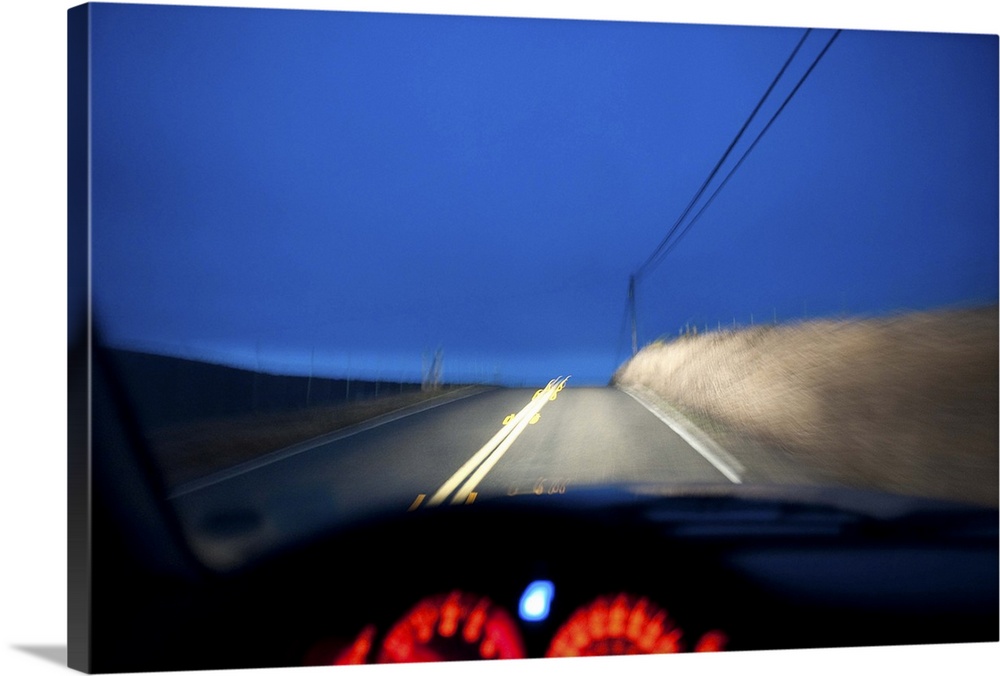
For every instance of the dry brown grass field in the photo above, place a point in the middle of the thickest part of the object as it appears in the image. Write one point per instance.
(906, 404)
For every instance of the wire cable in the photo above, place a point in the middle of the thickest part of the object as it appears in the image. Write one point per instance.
(663, 249)
(624, 334)
(715, 170)
(747, 152)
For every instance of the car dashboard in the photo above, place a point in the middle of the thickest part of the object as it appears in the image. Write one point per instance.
(610, 572)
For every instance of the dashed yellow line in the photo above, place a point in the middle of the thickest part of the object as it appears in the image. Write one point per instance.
(416, 503)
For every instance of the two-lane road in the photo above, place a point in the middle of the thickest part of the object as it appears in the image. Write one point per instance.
(597, 436)
(493, 443)
(592, 436)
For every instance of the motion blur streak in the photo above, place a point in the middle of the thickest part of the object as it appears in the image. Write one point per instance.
(906, 404)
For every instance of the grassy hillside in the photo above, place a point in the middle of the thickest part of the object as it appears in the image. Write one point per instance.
(906, 404)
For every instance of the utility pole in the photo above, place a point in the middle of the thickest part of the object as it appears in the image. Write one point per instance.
(631, 312)
(432, 371)
(312, 361)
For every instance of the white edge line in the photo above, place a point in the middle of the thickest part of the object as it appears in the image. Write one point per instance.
(695, 438)
(309, 444)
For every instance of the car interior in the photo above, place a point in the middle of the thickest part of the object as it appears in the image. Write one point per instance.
(607, 570)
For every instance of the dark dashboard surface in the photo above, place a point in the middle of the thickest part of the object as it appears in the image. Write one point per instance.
(631, 572)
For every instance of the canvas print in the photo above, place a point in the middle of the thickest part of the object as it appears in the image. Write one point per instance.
(406, 338)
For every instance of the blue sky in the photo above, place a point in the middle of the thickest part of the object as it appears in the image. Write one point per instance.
(344, 192)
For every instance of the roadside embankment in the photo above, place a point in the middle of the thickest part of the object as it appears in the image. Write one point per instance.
(907, 403)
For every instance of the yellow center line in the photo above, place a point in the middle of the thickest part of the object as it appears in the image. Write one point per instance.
(493, 458)
(533, 408)
(448, 486)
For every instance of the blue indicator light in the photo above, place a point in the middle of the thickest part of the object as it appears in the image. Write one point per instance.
(535, 601)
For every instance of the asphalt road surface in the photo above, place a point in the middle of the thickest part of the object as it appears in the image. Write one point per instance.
(480, 445)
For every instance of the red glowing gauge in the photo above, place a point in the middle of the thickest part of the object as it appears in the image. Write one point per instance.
(455, 626)
(622, 625)
(712, 641)
(337, 652)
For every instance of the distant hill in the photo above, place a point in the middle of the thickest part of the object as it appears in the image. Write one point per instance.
(167, 391)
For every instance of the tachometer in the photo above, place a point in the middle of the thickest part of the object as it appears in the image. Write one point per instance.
(453, 626)
(623, 624)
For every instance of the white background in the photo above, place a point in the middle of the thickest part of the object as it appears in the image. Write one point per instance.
(33, 366)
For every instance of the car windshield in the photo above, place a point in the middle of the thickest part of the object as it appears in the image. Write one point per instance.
(303, 221)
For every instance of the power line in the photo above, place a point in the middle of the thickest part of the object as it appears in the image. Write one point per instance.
(663, 248)
(749, 149)
(701, 190)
